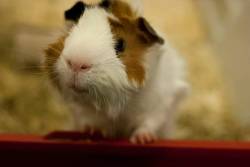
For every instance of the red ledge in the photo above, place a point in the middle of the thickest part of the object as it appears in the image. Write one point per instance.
(66, 149)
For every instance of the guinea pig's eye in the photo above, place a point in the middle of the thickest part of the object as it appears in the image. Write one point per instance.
(120, 46)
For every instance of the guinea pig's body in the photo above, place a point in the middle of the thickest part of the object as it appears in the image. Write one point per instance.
(116, 73)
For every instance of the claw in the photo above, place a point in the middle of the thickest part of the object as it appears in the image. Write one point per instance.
(143, 138)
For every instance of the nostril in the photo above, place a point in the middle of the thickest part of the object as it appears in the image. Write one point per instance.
(85, 67)
(69, 63)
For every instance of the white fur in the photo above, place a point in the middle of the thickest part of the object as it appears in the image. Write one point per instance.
(113, 103)
(91, 42)
(165, 88)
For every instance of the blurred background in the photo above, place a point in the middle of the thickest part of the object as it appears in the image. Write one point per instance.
(212, 35)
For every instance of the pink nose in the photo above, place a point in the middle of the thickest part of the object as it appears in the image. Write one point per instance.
(78, 66)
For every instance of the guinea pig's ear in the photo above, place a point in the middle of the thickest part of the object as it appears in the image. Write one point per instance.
(74, 13)
(148, 31)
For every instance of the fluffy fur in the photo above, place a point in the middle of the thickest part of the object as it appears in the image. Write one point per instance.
(110, 96)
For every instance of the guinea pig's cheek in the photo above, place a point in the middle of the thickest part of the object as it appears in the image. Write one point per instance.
(135, 83)
(64, 74)
(136, 74)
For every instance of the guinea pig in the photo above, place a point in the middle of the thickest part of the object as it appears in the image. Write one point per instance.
(119, 76)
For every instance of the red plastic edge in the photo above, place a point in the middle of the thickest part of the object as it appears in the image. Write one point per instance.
(62, 148)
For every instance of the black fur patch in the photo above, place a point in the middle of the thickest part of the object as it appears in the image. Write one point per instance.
(146, 28)
(74, 13)
(105, 4)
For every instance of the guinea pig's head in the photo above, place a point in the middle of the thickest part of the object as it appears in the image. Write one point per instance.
(104, 49)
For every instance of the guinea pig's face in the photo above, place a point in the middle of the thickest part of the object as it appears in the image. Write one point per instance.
(104, 48)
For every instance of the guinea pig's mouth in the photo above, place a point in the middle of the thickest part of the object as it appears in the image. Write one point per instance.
(77, 89)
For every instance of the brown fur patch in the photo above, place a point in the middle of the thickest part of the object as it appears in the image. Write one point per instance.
(53, 52)
(137, 41)
(121, 9)
(136, 45)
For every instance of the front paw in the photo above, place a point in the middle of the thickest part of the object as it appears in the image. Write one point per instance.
(143, 137)
(94, 133)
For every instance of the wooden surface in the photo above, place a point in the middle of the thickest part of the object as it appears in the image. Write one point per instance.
(40, 151)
